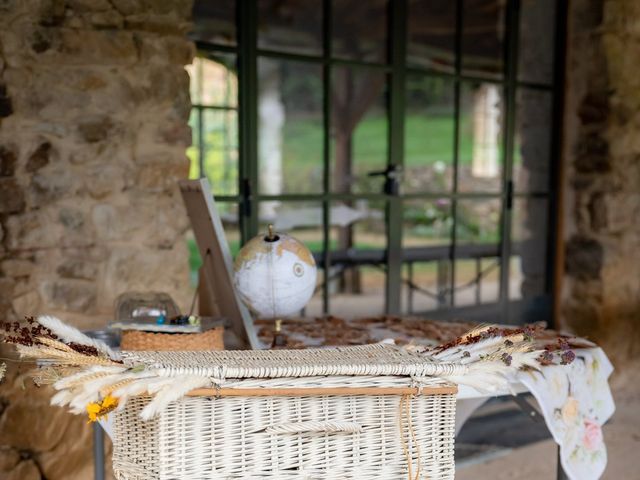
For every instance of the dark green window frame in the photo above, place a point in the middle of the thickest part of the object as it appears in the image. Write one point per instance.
(397, 70)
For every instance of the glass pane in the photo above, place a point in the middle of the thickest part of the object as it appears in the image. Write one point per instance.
(529, 236)
(213, 80)
(481, 133)
(477, 223)
(477, 250)
(230, 221)
(429, 135)
(537, 40)
(358, 225)
(214, 22)
(483, 37)
(360, 30)
(477, 281)
(426, 286)
(427, 224)
(432, 34)
(302, 220)
(193, 152)
(220, 150)
(359, 130)
(290, 127)
(531, 159)
(290, 26)
(358, 242)
(426, 242)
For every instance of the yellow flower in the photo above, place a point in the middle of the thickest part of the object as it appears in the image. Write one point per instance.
(570, 410)
(97, 410)
(109, 402)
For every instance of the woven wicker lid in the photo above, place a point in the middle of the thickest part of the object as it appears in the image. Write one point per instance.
(378, 359)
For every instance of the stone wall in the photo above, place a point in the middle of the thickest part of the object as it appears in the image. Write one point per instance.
(94, 102)
(601, 294)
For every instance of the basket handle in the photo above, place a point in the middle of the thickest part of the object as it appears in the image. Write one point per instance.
(306, 427)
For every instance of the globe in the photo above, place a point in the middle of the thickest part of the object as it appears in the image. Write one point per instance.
(275, 275)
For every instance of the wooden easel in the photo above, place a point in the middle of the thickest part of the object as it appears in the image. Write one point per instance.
(216, 293)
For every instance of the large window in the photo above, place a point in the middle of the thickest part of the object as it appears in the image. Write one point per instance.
(411, 144)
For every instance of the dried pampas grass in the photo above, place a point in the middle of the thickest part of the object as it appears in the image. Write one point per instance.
(70, 334)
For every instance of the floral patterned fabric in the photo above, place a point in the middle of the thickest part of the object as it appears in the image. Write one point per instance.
(576, 401)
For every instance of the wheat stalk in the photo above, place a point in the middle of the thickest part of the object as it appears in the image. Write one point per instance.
(62, 357)
(57, 344)
(108, 390)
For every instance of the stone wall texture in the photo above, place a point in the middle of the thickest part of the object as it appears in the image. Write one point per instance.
(601, 294)
(94, 103)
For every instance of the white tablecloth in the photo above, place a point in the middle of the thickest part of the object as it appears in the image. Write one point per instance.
(575, 401)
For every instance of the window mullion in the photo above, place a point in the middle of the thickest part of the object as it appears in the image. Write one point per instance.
(395, 155)
(456, 151)
(511, 62)
(248, 115)
(326, 153)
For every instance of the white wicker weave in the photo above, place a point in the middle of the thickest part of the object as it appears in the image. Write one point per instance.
(302, 436)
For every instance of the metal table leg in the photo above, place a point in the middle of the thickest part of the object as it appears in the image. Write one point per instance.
(560, 475)
(536, 416)
(98, 451)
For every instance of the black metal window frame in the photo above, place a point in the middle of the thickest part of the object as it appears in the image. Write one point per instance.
(396, 68)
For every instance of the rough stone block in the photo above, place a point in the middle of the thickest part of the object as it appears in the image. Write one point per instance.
(25, 470)
(32, 230)
(39, 158)
(27, 304)
(11, 196)
(7, 162)
(161, 178)
(73, 295)
(592, 154)
(159, 24)
(95, 129)
(84, 47)
(118, 222)
(54, 184)
(22, 429)
(128, 7)
(7, 285)
(594, 108)
(598, 212)
(102, 180)
(86, 269)
(583, 258)
(71, 218)
(175, 134)
(6, 105)
(108, 19)
(88, 5)
(9, 458)
(146, 269)
(73, 460)
(15, 267)
(171, 49)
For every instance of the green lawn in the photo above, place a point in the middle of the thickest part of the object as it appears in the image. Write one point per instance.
(427, 140)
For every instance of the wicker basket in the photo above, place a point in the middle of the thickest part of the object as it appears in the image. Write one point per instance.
(153, 341)
(349, 413)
